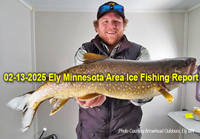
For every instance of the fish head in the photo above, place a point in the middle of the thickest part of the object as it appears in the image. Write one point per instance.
(179, 66)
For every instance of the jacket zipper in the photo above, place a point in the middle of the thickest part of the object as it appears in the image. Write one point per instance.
(104, 53)
(110, 117)
(109, 102)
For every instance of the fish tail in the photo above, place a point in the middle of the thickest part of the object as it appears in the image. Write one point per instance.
(20, 104)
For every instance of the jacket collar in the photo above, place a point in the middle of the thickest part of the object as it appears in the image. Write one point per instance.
(125, 43)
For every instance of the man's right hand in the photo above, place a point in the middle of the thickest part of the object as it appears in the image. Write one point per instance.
(93, 102)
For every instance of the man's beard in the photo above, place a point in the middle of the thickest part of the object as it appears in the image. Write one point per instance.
(111, 43)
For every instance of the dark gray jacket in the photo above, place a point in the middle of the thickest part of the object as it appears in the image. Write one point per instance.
(115, 119)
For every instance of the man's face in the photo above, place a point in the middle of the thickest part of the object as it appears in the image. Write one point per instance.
(111, 28)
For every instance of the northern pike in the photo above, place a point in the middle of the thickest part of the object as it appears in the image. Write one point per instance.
(59, 93)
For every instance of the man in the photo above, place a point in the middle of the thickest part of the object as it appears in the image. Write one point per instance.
(104, 117)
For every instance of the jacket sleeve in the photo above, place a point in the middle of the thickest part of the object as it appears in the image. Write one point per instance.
(144, 55)
(78, 58)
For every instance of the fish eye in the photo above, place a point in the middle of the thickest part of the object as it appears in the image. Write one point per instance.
(185, 64)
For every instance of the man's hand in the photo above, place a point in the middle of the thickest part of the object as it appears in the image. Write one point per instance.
(93, 102)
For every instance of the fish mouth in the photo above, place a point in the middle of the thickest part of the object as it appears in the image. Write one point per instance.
(190, 67)
(164, 86)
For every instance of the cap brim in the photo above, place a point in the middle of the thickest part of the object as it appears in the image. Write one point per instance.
(114, 11)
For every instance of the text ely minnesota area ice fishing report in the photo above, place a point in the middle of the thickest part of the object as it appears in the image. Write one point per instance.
(69, 77)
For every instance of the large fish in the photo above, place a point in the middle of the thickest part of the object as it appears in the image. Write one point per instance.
(59, 93)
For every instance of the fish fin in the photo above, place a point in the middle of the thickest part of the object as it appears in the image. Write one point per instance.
(166, 94)
(28, 116)
(90, 96)
(60, 102)
(52, 100)
(20, 104)
(91, 57)
(30, 92)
